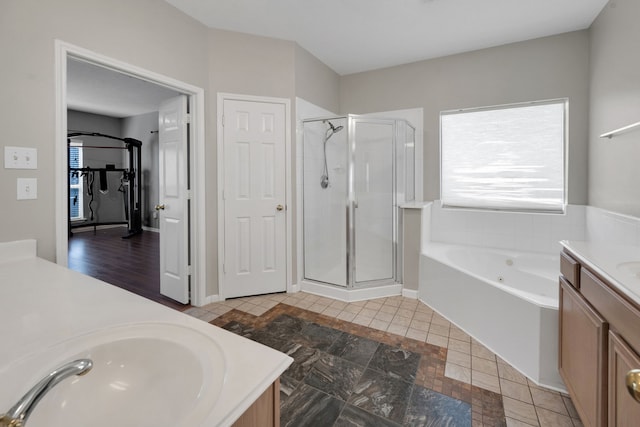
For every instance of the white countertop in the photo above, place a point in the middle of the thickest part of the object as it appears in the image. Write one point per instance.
(42, 304)
(618, 264)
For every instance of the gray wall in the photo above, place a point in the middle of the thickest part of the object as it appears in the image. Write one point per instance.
(109, 206)
(551, 67)
(140, 127)
(614, 174)
(147, 33)
(315, 82)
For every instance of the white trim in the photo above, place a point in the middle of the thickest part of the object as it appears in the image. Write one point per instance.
(351, 295)
(410, 293)
(64, 50)
(210, 299)
(222, 96)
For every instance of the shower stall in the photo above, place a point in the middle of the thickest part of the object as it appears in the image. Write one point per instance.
(356, 171)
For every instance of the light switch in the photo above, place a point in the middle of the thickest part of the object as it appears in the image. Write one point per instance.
(27, 188)
(20, 158)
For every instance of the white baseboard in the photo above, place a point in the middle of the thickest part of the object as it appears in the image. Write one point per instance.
(351, 295)
(209, 300)
(410, 293)
(151, 229)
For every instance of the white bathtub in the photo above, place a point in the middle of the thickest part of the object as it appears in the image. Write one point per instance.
(506, 300)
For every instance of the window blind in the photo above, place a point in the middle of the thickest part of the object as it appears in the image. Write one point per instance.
(508, 157)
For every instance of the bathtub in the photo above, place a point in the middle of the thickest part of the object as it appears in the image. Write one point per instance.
(507, 300)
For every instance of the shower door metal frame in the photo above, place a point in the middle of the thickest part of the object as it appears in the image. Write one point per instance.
(351, 202)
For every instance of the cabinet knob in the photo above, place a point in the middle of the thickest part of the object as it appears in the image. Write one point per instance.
(633, 383)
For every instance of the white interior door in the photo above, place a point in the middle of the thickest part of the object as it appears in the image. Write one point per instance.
(254, 198)
(172, 206)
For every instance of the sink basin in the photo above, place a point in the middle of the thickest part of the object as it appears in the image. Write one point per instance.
(631, 268)
(143, 375)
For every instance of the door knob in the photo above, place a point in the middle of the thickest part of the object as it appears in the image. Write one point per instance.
(159, 207)
(279, 207)
(633, 383)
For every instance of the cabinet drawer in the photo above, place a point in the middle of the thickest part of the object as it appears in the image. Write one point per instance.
(570, 269)
(621, 315)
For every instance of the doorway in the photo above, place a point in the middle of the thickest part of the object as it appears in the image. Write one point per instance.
(135, 259)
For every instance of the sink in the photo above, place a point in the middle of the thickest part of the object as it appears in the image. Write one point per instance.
(148, 374)
(631, 268)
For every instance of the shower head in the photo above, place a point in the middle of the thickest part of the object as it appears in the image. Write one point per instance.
(334, 129)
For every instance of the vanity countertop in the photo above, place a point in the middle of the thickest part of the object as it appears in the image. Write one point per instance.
(42, 304)
(618, 264)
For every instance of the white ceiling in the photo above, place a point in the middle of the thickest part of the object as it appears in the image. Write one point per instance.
(359, 35)
(98, 90)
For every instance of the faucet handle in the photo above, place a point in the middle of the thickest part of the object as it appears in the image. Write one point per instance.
(6, 421)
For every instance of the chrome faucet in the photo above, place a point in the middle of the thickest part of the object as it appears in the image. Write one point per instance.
(18, 414)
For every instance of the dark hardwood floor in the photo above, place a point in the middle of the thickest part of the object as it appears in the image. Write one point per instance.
(132, 264)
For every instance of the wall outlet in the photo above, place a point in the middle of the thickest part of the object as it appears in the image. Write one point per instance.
(27, 188)
(20, 158)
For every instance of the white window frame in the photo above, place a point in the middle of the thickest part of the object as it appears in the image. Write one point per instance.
(79, 185)
(561, 101)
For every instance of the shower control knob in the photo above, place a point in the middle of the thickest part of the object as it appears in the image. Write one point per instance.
(279, 207)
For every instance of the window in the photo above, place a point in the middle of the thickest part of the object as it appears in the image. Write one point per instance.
(508, 157)
(76, 182)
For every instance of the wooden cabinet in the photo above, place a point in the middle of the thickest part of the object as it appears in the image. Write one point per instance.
(265, 411)
(583, 334)
(623, 409)
(599, 342)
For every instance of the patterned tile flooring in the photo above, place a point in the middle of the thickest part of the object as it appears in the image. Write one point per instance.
(385, 362)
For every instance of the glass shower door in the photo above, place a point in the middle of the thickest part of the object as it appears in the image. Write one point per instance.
(373, 204)
(325, 167)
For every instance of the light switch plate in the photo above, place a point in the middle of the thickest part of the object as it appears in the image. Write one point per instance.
(27, 188)
(20, 158)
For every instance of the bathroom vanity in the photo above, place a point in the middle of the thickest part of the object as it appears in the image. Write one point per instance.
(599, 331)
(152, 366)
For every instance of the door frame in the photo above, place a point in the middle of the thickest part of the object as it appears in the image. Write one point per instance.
(197, 238)
(222, 96)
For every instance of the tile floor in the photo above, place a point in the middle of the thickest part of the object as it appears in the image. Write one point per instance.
(452, 363)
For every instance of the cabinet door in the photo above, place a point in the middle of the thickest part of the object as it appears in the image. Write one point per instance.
(582, 358)
(624, 410)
